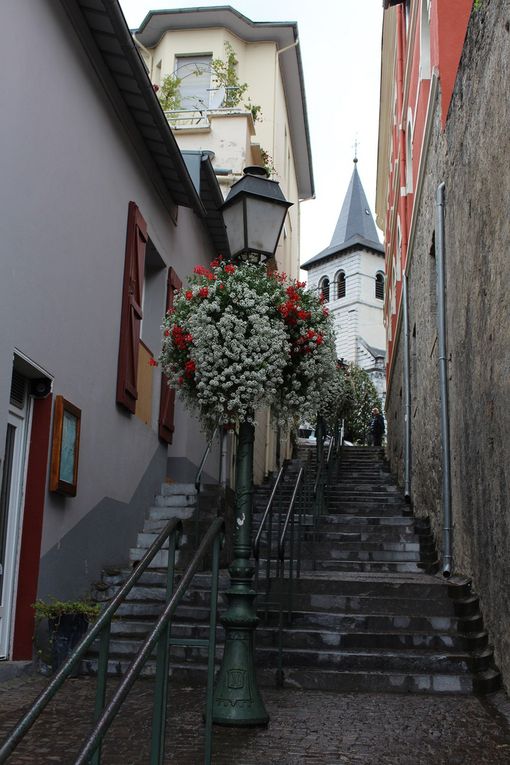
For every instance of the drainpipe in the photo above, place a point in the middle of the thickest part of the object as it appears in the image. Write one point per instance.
(407, 392)
(443, 380)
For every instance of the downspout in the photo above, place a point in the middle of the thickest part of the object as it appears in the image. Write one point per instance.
(407, 392)
(443, 379)
(403, 228)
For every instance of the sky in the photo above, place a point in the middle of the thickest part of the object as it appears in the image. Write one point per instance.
(340, 43)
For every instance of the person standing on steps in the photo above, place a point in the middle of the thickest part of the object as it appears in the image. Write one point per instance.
(377, 427)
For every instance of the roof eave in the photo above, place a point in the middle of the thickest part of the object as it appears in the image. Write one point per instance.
(96, 27)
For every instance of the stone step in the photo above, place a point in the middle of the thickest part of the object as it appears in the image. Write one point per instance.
(412, 585)
(339, 681)
(360, 553)
(321, 603)
(376, 519)
(351, 564)
(346, 541)
(168, 513)
(386, 621)
(169, 489)
(413, 660)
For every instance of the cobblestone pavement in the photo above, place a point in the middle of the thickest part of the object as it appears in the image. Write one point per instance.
(307, 727)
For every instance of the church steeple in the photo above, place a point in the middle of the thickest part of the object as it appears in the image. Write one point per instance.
(355, 216)
(355, 225)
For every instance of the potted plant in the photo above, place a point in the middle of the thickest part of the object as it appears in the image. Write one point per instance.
(68, 621)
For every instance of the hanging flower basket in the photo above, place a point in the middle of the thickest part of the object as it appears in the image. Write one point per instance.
(239, 338)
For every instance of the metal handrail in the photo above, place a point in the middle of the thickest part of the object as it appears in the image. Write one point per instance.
(256, 543)
(109, 713)
(201, 467)
(171, 531)
(290, 511)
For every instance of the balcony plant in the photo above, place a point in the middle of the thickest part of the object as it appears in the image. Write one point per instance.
(67, 624)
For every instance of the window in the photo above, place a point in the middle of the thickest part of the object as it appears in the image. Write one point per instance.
(425, 40)
(324, 288)
(340, 284)
(143, 295)
(195, 75)
(379, 285)
(409, 154)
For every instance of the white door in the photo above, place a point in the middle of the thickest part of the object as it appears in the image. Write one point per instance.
(11, 503)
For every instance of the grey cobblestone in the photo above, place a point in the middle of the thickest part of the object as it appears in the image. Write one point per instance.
(306, 728)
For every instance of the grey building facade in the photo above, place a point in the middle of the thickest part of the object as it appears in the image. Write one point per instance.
(101, 221)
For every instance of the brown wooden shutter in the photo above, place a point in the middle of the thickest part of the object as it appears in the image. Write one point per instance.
(131, 314)
(167, 401)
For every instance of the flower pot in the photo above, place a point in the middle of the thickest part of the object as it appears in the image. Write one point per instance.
(66, 631)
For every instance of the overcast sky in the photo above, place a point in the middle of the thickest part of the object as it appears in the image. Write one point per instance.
(340, 44)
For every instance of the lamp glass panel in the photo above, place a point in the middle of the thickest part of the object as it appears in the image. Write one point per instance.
(234, 223)
(265, 219)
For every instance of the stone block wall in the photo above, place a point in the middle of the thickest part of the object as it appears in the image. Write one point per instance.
(471, 157)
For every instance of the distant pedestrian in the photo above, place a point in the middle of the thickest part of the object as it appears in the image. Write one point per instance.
(377, 427)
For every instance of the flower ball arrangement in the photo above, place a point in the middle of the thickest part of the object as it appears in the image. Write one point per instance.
(238, 338)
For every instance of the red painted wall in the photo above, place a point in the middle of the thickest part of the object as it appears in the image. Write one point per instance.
(30, 551)
(452, 21)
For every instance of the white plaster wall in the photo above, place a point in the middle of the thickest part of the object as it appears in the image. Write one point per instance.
(359, 312)
(259, 67)
(68, 177)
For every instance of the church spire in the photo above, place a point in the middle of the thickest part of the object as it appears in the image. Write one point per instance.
(355, 216)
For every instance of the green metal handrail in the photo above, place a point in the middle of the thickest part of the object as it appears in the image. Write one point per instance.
(267, 519)
(289, 519)
(101, 628)
(319, 492)
(160, 635)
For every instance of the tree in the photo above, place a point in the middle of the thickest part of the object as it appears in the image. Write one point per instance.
(360, 401)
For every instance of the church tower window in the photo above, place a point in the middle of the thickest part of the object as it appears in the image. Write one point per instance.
(379, 286)
(340, 284)
(324, 288)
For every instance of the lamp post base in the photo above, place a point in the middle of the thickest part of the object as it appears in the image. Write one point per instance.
(237, 700)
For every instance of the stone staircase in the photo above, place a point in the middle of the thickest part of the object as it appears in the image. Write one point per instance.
(372, 616)
(368, 612)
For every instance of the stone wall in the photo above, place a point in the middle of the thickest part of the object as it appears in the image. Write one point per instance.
(471, 157)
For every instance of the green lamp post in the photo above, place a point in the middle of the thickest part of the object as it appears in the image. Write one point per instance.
(254, 213)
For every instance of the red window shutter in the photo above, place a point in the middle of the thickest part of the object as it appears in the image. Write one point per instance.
(131, 314)
(167, 401)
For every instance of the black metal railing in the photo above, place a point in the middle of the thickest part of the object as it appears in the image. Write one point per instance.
(159, 637)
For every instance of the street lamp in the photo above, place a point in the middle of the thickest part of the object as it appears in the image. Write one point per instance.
(254, 213)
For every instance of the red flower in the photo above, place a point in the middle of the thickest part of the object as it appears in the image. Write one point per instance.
(319, 339)
(203, 292)
(300, 285)
(180, 380)
(189, 368)
(188, 294)
(325, 311)
(203, 271)
(167, 332)
(221, 286)
(188, 338)
(153, 363)
(303, 314)
(215, 263)
(229, 268)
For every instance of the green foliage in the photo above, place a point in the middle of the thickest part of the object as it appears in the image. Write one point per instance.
(359, 399)
(477, 5)
(268, 162)
(225, 75)
(255, 109)
(55, 608)
(169, 93)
